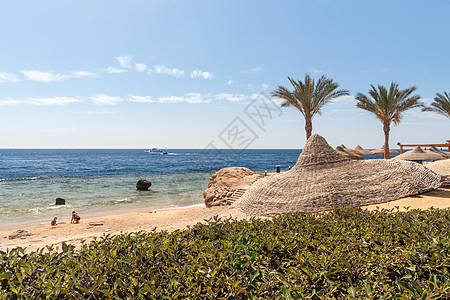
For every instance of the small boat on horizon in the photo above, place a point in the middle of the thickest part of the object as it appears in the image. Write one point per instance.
(157, 151)
(154, 151)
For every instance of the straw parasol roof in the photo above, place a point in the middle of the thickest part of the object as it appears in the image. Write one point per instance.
(323, 179)
(361, 151)
(355, 153)
(381, 151)
(348, 154)
(441, 167)
(418, 154)
(436, 150)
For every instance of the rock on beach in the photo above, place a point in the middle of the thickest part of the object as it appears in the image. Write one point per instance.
(225, 182)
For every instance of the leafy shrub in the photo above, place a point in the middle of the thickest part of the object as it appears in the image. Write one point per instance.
(349, 253)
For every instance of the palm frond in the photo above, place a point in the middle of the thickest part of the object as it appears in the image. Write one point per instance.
(441, 105)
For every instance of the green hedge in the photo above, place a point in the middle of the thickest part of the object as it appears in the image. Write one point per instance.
(350, 253)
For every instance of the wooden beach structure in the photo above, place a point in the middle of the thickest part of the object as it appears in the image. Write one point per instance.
(423, 145)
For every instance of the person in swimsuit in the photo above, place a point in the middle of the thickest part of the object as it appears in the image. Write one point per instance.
(75, 218)
(54, 221)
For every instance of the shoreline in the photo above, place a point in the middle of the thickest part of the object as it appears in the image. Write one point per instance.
(147, 219)
(96, 214)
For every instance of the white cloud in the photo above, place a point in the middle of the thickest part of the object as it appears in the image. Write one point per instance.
(140, 67)
(277, 101)
(255, 96)
(105, 99)
(344, 100)
(124, 61)
(197, 98)
(200, 73)
(253, 70)
(78, 74)
(192, 98)
(53, 101)
(427, 101)
(231, 97)
(171, 99)
(251, 86)
(113, 70)
(419, 114)
(140, 99)
(39, 76)
(12, 102)
(315, 71)
(162, 69)
(189, 98)
(8, 77)
(264, 86)
(230, 82)
(40, 101)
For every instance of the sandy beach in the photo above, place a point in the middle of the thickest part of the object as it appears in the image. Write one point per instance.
(90, 227)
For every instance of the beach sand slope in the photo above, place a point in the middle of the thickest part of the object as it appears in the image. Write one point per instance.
(45, 234)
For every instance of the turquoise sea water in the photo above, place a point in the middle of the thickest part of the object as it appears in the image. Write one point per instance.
(96, 182)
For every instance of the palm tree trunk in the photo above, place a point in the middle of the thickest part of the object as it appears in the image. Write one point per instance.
(308, 127)
(386, 129)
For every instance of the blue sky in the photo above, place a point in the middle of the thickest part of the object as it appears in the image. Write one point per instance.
(183, 74)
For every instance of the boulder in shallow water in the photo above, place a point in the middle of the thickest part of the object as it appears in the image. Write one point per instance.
(143, 184)
(60, 201)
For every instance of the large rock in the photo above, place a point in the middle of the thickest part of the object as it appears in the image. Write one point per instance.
(60, 201)
(225, 182)
(143, 184)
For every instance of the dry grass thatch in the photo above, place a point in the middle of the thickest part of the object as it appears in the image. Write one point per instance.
(380, 151)
(441, 167)
(361, 150)
(436, 150)
(348, 153)
(324, 179)
(419, 154)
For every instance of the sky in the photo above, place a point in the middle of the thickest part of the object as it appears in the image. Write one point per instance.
(199, 74)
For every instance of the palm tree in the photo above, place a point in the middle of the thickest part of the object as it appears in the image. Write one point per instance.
(309, 97)
(388, 106)
(441, 105)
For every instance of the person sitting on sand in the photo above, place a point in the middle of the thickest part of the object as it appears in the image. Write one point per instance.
(54, 221)
(75, 218)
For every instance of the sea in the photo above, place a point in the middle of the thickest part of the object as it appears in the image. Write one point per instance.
(103, 181)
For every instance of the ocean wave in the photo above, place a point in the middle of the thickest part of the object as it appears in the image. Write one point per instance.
(122, 200)
(20, 179)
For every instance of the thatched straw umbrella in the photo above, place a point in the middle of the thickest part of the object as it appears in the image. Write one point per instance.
(361, 150)
(348, 154)
(441, 167)
(353, 152)
(322, 179)
(417, 154)
(436, 150)
(381, 151)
